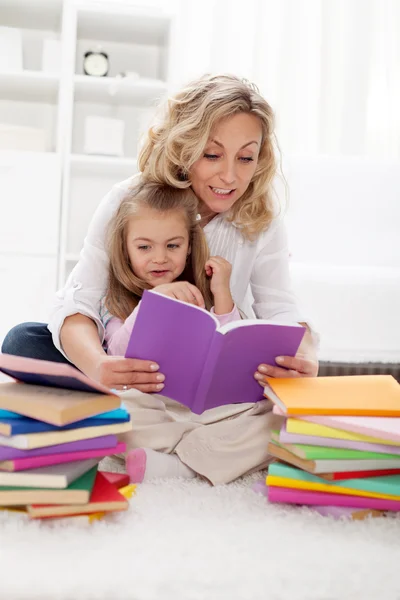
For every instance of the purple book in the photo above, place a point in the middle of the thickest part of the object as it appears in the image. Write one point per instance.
(286, 437)
(206, 365)
(106, 441)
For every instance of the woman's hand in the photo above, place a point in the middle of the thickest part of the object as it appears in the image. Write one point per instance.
(304, 364)
(117, 372)
(181, 290)
(220, 271)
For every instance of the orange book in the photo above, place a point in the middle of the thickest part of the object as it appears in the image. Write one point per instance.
(105, 497)
(362, 395)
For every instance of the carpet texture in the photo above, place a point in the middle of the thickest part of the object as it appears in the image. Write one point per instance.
(187, 540)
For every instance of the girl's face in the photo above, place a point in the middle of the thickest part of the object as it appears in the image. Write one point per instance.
(157, 245)
(222, 175)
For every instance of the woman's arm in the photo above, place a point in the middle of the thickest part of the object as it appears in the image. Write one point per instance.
(87, 282)
(80, 340)
(275, 300)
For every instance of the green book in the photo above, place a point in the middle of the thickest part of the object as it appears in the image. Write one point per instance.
(387, 484)
(324, 453)
(78, 492)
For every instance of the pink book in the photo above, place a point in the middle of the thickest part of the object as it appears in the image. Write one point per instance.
(291, 496)
(312, 440)
(22, 464)
(386, 428)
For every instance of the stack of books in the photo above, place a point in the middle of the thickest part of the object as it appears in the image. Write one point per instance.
(55, 427)
(337, 443)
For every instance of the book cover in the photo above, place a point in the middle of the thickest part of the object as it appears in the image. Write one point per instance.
(53, 476)
(387, 487)
(331, 466)
(78, 492)
(25, 464)
(118, 479)
(386, 428)
(52, 438)
(297, 438)
(310, 498)
(105, 497)
(46, 373)
(307, 452)
(206, 365)
(57, 406)
(10, 427)
(357, 474)
(106, 441)
(322, 431)
(362, 395)
(118, 414)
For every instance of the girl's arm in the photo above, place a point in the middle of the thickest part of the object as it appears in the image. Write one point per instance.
(118, 333)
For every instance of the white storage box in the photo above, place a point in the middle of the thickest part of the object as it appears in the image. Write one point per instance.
(10, 49)
(104, 136)
(51, 56)
(25, 139)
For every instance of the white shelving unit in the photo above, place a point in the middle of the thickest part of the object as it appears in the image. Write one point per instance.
(136, 39)
(30, 182)
(50, 196)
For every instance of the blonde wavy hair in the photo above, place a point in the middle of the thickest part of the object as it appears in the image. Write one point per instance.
(179, 139)
(125, 288)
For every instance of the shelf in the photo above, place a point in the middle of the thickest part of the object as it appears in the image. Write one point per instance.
(28, 14)
(103, 165)
(29, 86)
(124, 24)
(118, 90)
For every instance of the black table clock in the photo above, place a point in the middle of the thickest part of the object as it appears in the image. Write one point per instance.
(95, 63)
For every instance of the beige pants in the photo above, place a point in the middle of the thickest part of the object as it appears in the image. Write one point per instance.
(222, 444)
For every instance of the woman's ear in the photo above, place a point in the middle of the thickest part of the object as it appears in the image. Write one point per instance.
(189, 250)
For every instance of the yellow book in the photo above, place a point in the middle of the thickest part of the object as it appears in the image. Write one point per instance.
(325, 487)
(306, 428)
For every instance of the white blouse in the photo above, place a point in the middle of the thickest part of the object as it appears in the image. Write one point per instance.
(260, 282)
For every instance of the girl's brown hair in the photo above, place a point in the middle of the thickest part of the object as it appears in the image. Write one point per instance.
(125, 289)
(178, 141)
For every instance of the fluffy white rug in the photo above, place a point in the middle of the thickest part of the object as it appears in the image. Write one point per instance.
(185, 540)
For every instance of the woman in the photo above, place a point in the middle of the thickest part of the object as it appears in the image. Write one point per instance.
(217, 136)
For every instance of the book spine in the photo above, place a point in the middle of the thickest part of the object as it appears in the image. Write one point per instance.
(200, 401)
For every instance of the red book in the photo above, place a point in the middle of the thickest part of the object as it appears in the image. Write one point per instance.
(119, 480)
(105, 498)
(358, 474)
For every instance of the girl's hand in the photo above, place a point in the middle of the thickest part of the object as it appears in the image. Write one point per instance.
(220, 271)
(304, 364)
(181, 290)
(119, 373)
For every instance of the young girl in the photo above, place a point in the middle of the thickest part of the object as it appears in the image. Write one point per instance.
(156, 242)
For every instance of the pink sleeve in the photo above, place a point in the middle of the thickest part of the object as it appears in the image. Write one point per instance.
(118, 333)
(234, 315)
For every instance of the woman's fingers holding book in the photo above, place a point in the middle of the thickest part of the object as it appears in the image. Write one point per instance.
(289, 367)
(117, 372)
(265, 371)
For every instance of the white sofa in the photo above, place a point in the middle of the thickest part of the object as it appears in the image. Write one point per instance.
(343, 221)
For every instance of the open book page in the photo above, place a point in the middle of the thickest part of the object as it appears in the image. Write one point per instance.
(177, 336)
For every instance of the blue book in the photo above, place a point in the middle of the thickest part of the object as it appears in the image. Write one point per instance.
(118, 414)
(10, 427)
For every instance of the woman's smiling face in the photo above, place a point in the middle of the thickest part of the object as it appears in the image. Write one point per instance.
(222, 175)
